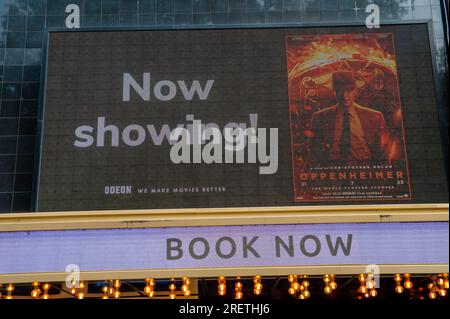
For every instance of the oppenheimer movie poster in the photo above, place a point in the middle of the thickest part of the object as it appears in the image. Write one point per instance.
(346, 118)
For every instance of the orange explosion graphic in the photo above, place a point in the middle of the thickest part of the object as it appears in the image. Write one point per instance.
(311, 62)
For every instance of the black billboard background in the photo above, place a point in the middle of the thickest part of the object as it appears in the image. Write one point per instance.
(84, 81)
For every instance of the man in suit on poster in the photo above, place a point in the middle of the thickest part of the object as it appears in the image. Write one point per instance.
(347, 132)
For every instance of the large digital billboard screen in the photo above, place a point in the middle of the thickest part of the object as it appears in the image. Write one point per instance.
(239, 117)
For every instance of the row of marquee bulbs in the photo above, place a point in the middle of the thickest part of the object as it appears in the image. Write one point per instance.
(238, 294)
(438, 286)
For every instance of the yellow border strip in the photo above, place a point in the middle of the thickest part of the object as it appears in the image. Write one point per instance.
(229, 272)
(223, 216)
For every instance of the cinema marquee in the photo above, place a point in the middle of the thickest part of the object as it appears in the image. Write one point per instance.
(290, 156)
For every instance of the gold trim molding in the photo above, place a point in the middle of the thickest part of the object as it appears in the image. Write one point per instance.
(223, 216)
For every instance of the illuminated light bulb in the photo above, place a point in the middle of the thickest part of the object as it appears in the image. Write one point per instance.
(333, 285)
(222, 286)
(397, 278)
(292, 278)
(81, 295)
(147, 289)
(296, 286)
(151, 294)
(306, 294)
(301, 296)
(35, 293)
(362, 278)
(46, 288)
(305, 283)
(430, 285)
(446, 283)
(366, 295)
(364, 289)
(359, 297)
(185, 287)
(172, 288)
(399, 289)
(257, 289)
(238, 289)
(117, 284)
(442, 292)
(327, 290)
(373, 293)
(408, 284)
(326, 279)
(116, 291)
(432, 295)
(111, 291)
(73, 291)
(9, 289)
(440, 281)
(82, 285)
(291, 291)
(105, 290)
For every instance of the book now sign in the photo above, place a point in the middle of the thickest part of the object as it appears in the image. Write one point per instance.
(224, 246)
